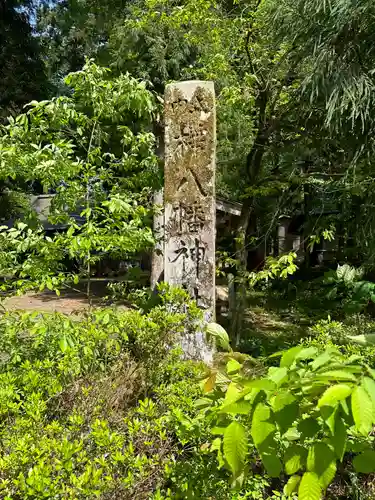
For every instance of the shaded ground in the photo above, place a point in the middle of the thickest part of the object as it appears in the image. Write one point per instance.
(70, 301)
(270, 324)
(48, 302)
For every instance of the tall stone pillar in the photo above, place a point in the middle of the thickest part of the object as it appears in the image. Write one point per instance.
(189, 190)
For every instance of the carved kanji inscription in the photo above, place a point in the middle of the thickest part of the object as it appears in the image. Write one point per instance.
(189, 191)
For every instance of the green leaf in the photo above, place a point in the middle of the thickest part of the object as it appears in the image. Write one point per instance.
(365, 340)
(339, 437)
(295, 458)
(233, 366)
(281, 399)
(321, 360)
(369, 385)
(271, 463)
(329, 416)
(105, 319)
(262, 428)
(307, 353)
(362, 410)
(233, 394)
(308, 427)
(278, 375)
(309, 487)
(264, 384)
(291, 485)
(289, 356)
(365, 462)
(286, 416)
(218, 333)
(235, 447)
(322, 461)
(336, 375)
(334, 394)
(237, 408)
(63, 343)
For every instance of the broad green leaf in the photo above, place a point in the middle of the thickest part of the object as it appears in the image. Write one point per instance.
(233, 366)
(307, 353)
(291, 485)
(262, 427)
(271, 463)
(309, 487)
(237, 408)
(362, 410)
(334, 394)
(338, 440)
(336, 375)
(365, 462)
(216, 446)
(328, 414)
(369, 385)
(321, 460)
(292, 434)
(234, 393)
(295, 458)
(278, 375)
(321, 360)
(289, 356)
(217, 332)
(264, 384)
(308, 427)
(281, 399)
(235, 447)
(286, 416)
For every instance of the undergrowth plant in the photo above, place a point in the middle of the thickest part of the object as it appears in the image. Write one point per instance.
(87, 403)
(299, 419)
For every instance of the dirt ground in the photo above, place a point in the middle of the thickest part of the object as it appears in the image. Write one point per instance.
(68, 302)
(47, 302)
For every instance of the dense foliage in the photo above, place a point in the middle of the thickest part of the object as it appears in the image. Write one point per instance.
(100, 404)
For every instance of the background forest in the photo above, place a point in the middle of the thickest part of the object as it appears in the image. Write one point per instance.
(96, 403)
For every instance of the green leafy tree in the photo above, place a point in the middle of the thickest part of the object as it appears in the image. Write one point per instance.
(94, 152)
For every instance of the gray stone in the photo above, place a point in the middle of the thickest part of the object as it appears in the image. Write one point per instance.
(157, 264)
(189, 192)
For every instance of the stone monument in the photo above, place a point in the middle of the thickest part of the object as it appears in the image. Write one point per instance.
(189, 191)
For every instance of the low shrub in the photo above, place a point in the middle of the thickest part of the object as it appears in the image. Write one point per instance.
(87, 403)
(300, 422)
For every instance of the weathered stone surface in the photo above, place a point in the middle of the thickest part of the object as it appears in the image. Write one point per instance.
(157, 264)
(189, 191)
